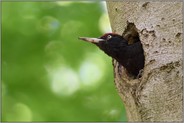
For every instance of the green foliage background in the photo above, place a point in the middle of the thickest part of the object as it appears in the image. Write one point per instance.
(47, 73)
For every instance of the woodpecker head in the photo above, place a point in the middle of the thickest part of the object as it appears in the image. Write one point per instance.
(110, 43)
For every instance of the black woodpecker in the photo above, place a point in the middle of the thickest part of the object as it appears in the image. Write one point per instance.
(130, 56)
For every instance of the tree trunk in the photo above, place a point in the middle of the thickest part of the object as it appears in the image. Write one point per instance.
(157, 95)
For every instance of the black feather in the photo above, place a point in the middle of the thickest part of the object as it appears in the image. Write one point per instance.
(130, 56)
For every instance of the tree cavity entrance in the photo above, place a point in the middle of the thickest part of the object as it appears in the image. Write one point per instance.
(132, 36)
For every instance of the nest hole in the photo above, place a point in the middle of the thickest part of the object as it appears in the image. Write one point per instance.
(132, 36)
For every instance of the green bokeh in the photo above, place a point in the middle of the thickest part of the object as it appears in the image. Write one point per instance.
(47, 73)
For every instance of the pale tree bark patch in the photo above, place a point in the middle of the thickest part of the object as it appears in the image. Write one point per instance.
(157, 95)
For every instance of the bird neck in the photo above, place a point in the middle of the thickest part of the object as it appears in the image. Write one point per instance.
(115, 51)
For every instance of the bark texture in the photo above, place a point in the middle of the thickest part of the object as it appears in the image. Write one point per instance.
(157, 95)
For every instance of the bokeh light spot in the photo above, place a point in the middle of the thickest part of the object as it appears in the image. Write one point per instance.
(64, 3)
(72, 29)
(4, 89)
(48, 24)
(90, 73)
(92, 69)
(104, 22)
(112, 113)
(64, 81)
(20, 112)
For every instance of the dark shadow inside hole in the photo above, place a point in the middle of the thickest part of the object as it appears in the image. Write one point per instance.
(132, 36)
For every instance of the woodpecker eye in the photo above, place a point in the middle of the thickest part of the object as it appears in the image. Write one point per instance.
(109, 37)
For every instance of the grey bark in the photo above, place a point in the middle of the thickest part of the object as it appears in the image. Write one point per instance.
(157, 95)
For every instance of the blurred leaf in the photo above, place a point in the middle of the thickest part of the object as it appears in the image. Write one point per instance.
(47, 73)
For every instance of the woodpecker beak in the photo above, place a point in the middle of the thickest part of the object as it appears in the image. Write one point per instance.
(92, 40)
